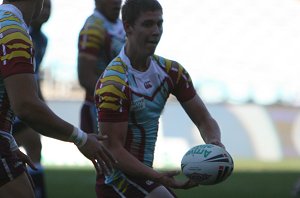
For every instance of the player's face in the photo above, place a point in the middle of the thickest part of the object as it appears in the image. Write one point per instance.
(145, 34)
(111, 9)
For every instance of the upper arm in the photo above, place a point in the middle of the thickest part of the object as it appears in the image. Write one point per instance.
(87, 67)
(112, 101)
(90, 44)
(196, 110)
(16, 67)
(22, 92)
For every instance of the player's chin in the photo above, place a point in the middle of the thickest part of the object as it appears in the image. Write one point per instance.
(151, 49)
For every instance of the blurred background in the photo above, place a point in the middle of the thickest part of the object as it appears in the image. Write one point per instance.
(243, 57)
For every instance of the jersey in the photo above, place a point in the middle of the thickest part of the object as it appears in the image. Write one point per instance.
(125, 94)
(17, 56)
(102, 39)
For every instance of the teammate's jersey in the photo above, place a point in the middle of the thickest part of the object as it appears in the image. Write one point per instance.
(16, 55)
(101, 39)
(39, 39)
(125, 94)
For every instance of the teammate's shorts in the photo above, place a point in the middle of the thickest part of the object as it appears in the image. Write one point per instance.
(10, 166)
(137, 188)
(88, 117)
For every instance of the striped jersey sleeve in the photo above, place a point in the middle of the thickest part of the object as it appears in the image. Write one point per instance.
(183, 88)
(112, 94)
(92, 37)
(17, 53)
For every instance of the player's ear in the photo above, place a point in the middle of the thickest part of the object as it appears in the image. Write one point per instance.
(127, 27)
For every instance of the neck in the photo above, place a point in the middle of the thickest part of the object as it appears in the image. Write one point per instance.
(138, 61)
(105, 14)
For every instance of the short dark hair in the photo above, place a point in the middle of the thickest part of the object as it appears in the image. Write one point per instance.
(132, 9)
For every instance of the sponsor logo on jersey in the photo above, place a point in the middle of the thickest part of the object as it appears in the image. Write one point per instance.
(138, 104)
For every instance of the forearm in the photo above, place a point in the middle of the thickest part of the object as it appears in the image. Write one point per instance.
(42, 119)
(130, 165)
(89, 83)
(210, 131)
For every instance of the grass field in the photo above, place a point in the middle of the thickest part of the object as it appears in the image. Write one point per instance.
(250, 179)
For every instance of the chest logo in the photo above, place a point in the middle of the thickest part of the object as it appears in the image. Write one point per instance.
(148, 84)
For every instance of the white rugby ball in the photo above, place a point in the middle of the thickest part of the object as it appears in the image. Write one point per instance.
(207, 164)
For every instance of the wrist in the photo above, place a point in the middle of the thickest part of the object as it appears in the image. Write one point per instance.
(78, 137)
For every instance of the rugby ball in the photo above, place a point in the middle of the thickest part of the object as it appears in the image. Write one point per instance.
(207, 164)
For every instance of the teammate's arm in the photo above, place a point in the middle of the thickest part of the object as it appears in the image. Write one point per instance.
(88, 73)
(205, 123)
(26, 104)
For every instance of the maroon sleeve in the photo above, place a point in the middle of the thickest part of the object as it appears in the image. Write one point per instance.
(17, 53)
(183, 86)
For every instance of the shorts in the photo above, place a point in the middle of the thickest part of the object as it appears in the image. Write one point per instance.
(10, 166)
(88, 117)
(137, 188)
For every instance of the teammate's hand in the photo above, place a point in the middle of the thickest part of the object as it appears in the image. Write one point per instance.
(24, 159)
(95, 151)
(168, 179)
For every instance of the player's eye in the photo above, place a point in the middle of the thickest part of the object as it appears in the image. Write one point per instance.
(147, 23)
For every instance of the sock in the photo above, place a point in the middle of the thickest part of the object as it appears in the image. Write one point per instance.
(38, 180)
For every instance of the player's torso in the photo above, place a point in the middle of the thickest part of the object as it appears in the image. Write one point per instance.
(102, 38)
(148, 94)
(16, 47)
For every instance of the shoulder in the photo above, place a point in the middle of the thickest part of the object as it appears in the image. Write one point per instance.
(13, 32)
(115, 74)
(174, 69)
(116, 68)
(9, 23)
(113, 80)
(167, 64)
(93, 22)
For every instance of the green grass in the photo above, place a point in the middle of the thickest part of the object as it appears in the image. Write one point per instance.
(250, 179)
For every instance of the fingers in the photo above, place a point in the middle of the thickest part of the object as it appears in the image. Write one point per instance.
(169, 180)
(106, 167)
(218, 143)
(101, 137)
(109, 155)
(97, 167)
(26, 160)
(172, 173)
(190, 184)
(30, 163)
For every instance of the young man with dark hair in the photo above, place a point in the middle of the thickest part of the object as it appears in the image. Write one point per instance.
(130, 96)
(19, 96)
